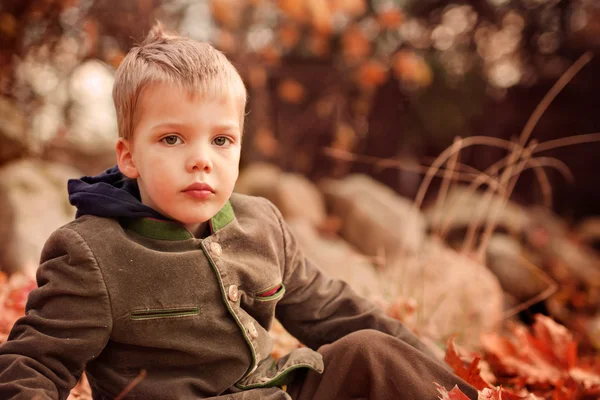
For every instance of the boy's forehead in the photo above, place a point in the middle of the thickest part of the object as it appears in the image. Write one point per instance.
(159, 100)
(156, 94)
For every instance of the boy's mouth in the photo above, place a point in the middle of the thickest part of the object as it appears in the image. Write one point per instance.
(199, 190)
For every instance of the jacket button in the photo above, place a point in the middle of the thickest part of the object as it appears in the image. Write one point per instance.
(216, 249)
(233, 293)
(252, 330)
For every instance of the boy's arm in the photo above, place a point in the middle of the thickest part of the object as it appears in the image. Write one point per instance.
(319, 310)
(67, 323)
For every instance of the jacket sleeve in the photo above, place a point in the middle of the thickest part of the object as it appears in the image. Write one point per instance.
(319, 310)
(67, 323)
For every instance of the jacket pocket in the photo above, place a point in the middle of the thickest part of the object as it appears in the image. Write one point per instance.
(164, 313)
(272, 293)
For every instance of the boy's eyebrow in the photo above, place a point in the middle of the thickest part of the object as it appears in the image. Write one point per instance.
(173, 124)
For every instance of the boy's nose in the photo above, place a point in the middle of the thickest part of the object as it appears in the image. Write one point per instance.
(199, 161)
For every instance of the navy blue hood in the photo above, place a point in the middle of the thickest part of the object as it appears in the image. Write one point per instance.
(110, 194)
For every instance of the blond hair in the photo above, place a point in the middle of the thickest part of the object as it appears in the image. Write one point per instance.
(172, 59)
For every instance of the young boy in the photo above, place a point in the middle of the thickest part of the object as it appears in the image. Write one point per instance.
(164, 270)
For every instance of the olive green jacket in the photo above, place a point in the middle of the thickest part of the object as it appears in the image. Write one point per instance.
(116, 298)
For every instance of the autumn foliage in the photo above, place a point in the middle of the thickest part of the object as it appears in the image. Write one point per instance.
(529, 363)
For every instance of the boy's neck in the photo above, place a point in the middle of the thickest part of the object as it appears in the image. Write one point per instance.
(201, 230)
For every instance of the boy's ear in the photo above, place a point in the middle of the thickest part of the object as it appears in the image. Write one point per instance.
(125, 159)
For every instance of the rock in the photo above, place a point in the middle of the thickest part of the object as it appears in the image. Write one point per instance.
(12, 131)
(462, 208)
(549, 236)
(336, 258)
(455, 295)
(293, 194)
(374, 218)
(588, 232)
(34, 203)
(259, 179)
(517, 276)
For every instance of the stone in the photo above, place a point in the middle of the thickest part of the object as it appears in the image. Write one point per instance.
(516, 274)
(293, 194)
(12, 131)
(454, 294)
(337, 258)
(375, 219)
(33, 203)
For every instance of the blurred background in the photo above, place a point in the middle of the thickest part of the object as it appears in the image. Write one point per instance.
(350, 102)
(383, 78)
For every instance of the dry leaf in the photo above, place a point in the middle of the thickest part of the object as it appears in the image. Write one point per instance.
(352, 8)
(294, 9)
(321, 15)
(546, 359)
(227, 12)
(454, 394)
(291, 91)
(371, 75)
(318, 44)
(391, 18)
(257, 76)
(355, 45)
(289, 35)
(470, 374)
(412, 68)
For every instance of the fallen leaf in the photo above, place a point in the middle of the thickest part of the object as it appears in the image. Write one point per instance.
(454, 394)
(470, 374)
(291, 91)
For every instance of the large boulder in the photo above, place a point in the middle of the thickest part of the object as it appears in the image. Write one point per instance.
(33, 203)
(519, 278)
(293, 194)
(12, 131)
(337, 258)
(375, 219)
(454, 294)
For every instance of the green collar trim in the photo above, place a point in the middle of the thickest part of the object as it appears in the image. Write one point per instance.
(222, 218)
(171, 230)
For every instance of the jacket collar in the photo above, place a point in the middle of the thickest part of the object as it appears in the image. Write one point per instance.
(171, 230)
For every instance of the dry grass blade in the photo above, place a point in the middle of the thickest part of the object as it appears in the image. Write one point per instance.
(568, 141)
(132, 385)
(382, 163)
(446, 154)
(486, 202)
(562, 82)
(536, 163)
(448, 177)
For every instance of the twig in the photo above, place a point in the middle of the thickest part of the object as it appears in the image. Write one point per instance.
(132, 385)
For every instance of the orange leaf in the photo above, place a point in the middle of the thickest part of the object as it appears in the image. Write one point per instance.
(289, 35)
(227, 12)
(372, 74)
(412, 68)
(318, 44)
(454, 394)
(294, 9)
(354, 8)
(355, 45)
(321, 15)
(471, 374)
(391, 18)
(257, 76)
(291, 91)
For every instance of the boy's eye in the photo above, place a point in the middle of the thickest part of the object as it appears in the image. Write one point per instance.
(221, 140)
(171, 140)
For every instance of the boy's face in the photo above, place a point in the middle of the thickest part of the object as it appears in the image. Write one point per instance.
(181, 140)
